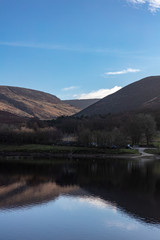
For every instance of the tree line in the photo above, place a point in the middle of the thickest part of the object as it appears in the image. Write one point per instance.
(110, 130)
(99, 131)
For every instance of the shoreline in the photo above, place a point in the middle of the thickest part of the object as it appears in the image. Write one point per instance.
(36, 151)
(36, 155)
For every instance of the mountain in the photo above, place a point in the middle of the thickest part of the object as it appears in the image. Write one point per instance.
(30, 103)
(141, 95)
(81, 103)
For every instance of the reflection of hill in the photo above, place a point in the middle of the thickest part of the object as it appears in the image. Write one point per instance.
(22, 185)
(141, 206)
(134, 189)
(20, 194)
(124, 184)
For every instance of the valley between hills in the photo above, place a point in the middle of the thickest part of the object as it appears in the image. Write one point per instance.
(18, 103)
(128, 116)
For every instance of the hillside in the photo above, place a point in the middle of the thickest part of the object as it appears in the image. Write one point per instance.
(81, 103)
(24, 102)
(141, 95)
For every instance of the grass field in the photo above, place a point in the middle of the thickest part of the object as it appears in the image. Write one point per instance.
(153, 151)
(156, 140)
(63, 149)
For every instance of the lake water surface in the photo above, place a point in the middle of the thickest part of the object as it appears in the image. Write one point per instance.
(80, 200)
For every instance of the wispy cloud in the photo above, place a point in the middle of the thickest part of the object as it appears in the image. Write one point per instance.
(37, 45)
(153, 5)
(74, 48)
(58, 47)
(69, 88)
(101, 93)
(124, 71)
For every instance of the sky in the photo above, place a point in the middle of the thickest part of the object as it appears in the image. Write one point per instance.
(78, 49)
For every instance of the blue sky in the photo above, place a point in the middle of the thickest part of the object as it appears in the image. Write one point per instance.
(78, 48)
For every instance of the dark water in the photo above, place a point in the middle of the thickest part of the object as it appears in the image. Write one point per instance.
(89, 200)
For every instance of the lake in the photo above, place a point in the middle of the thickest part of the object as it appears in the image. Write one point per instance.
(81, 199)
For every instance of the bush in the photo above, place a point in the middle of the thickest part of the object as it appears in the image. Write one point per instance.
(24, 135)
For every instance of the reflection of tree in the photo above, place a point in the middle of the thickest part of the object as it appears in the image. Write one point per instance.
(136, 189)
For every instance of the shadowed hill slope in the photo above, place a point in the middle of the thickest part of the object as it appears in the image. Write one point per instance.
(81, 103)
(141, 95)
(31, 103)
(10, 118)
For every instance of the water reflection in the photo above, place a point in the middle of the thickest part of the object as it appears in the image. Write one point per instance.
(128, 185)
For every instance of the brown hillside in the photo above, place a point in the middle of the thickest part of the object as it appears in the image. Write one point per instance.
(141, 95)
(31, 103)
